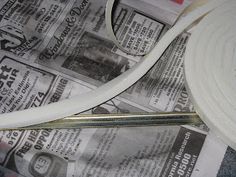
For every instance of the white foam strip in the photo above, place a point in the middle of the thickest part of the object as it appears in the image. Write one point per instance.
(109, 90)
(210, 71)
(110, 31)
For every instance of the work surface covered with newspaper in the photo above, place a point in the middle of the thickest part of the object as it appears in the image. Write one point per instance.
(55, 49)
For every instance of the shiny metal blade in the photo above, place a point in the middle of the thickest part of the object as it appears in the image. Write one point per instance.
(119, 120)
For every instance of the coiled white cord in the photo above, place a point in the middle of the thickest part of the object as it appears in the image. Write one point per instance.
(210, 71)
(111, 89)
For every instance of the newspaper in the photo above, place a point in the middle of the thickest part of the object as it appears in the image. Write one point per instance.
(53, 50)
(166, 11)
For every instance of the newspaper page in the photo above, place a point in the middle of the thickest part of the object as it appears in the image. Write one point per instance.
(152, 151)
(79, 52)
(167, 10)
(53, 50)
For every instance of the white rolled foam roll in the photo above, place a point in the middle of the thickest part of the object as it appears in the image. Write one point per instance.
(210, 71)
(109, 90)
